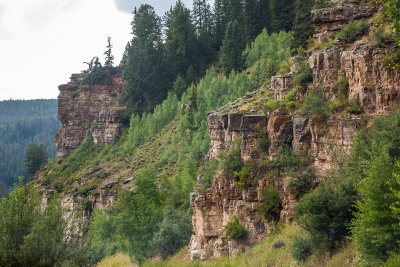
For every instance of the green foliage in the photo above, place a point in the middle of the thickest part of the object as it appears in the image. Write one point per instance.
(327, 212)
(179, 86)
(74, 95)
(301, 248)
(273, 48)
(391, 62)
(282, 15)
(383, 36)
(231, 161)
(23, 122)
(304, 75)
(352, 30)
(271, 205)
(99, 75)
(174, 233)
(271, 105)
(231, 58)
(285, 66)
(33, 235)
(303, 26)
(287, 160)
(243, 177)
(355, 107)
(208, 172)
(109, 62)
(234, 230)
(321, 4)
(35, 157)
(376, 228)
(314, 103)
(393, 9)
(301, 183)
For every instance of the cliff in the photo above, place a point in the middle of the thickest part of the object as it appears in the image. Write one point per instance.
(88, 109)
(321, 139)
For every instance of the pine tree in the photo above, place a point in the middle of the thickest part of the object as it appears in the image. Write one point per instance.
(125, 56)
(303, 26)
(145, 71)
(265, 16)
(231, 51)
(282, 15)
(35, 157)
(220, 21)
(108, 53)
(199, 14)
(180, 42)
(252, 19)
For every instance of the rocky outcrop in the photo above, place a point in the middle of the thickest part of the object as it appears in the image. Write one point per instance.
(332, 19)
(281, 85)
(88, 109)
(322, 138)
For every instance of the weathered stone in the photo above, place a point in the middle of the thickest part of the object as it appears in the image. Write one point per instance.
(281, 85)
(79, 106)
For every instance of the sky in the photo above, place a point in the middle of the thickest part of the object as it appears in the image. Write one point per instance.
(42, 42)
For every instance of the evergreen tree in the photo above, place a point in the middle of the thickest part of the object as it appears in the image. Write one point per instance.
(282, 15)
(264, 19)
(179, 86)
(199, 14)
(235, 11)
(231, 51)
(125, 56)
(108, 53)
(303, 26)
(35, 157)
(145, 71)
(252, 19)
(220, 22)
(180, 43)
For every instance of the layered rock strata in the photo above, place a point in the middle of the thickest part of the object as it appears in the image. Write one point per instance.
(88, 109)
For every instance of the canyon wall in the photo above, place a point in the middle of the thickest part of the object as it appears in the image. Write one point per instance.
(88, 109)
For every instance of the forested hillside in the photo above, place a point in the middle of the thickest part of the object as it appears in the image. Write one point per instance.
(23, 123)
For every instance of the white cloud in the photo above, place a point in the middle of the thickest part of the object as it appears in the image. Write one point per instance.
(160, 6)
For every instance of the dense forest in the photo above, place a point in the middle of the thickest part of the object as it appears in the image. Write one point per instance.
(202, 59)
(23, 123)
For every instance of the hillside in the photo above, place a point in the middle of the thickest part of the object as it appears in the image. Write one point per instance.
(269, 156)
(24, 122)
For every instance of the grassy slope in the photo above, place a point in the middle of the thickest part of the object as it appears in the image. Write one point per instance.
(273, 251)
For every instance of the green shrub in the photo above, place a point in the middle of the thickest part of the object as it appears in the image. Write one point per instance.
(231, 161)
(234, 230)
(321, 4)
(353, 30)
(304, 75)
(99, 75)
(391, 62)
(74, 95)
(271, 205)
(327, 212)
(315, 104)
(301, 183)
(301, 248)
(208, 171)
(355, 107)
(243, 177)
(382, 36)
(263, 140)
(287, 160)
(285, 66)
(271, 105)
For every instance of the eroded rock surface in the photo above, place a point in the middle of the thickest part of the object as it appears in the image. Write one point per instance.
(85, 109)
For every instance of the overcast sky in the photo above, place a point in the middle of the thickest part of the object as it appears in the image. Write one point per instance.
(42, 42)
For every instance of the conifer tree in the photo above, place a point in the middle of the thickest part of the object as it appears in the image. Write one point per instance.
(231, 51)
(303, 26)
(220, 21)
(265, 16)
(282, 15)
(108, 53)
(252, 19)
(35, 157)
(199, 14)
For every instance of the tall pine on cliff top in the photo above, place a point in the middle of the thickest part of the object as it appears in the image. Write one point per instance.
(145, 70)
(232, 46)
(303, 26)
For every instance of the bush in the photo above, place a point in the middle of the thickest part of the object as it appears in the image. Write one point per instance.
(243, 177)
(355, 107)
(285, 66)
(287, 160)
(304, 75)
(302, 183)
(271, 205)
(99, 75)
(208, 171)
(315, 104)
(74, 95)
(302, 248)
(231, 161)
(353, 30)
(234, 230)
(391, 62)
(271, 105)
(383, 36)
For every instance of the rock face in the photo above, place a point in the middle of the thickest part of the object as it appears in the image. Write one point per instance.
(88, 109)
(322, 139)
(212, 210)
